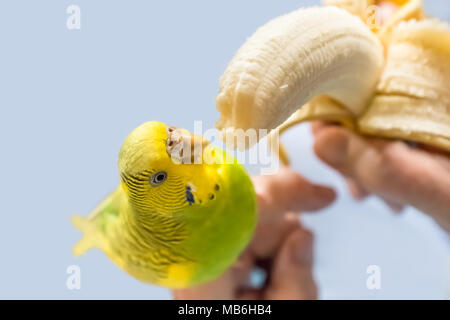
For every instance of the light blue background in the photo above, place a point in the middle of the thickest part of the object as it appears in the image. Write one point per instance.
(69, 98)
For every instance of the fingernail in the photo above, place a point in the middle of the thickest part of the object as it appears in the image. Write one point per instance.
(357, 191)
(328, 195)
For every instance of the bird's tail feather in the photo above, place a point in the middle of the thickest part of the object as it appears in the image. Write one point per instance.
(91, 237)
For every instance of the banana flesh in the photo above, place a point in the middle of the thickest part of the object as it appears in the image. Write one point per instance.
(294, 58)
(366, 11)
(326, 63)
(358, 8)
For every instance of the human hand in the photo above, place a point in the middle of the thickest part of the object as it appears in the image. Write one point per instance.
(399, 174)
(281, 246)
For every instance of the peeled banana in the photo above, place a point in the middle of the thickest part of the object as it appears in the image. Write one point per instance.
(333, 63)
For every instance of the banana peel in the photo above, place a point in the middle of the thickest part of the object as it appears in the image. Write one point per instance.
(410, 99)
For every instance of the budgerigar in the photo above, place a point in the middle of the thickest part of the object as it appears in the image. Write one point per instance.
(171, 222)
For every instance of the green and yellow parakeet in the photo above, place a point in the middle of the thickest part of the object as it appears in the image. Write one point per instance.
(173, 222)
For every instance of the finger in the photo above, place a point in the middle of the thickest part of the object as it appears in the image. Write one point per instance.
(346, 152)
(289, 191)
(393, 205)
(357, 190)
(222, 288)
(292, 277)
(390, 169)
(250, 294)
(271, 233)
(317, 126)
(435, 150)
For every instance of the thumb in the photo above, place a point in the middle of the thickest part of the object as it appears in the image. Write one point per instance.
(292, 277)
(289, 191)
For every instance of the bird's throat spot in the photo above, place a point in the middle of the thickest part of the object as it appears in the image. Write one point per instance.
(189, 195)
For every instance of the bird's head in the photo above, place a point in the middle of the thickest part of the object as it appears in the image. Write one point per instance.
(156, 165)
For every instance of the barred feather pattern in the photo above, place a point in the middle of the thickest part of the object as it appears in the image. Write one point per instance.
(151, 233)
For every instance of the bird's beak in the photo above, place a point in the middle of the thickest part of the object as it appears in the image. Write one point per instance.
(185, 147)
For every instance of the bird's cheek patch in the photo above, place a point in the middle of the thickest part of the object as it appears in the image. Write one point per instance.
(179, 275)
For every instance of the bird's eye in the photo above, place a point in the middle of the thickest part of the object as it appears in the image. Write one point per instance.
(158, 178)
